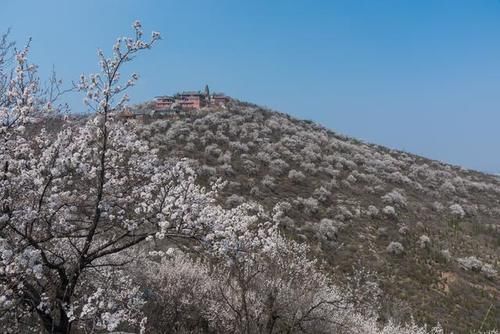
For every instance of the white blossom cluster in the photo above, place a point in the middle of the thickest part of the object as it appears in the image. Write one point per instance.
(73, 203)
(276, 287)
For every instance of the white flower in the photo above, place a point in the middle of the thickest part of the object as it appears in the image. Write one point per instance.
(137, 24)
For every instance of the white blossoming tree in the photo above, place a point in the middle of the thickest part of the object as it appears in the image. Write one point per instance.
(76, 203)
(253, 281)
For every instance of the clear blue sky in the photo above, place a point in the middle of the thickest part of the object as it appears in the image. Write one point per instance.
(423, 76)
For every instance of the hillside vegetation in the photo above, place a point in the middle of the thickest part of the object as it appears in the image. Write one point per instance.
(428, 230)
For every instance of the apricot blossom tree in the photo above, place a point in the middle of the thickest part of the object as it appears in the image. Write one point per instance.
(75, 203)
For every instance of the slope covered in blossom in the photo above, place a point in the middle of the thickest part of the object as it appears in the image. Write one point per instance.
(430, 231)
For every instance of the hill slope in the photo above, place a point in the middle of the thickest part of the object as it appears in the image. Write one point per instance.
(431, 231)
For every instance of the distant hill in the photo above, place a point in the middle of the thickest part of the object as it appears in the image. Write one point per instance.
(430, 230)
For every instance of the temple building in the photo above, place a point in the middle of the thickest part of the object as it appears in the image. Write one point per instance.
(190, 100)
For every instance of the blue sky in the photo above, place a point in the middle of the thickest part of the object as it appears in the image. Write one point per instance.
(423, 76)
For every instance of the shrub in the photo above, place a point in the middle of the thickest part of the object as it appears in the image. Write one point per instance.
(399, 178)
(395, 248)
(278, 166)
(238, 147)
(457, 211)
(424, 241)
(296, 176)
(310, 204)
(309, 167)
(372, 211)
(447, 187)
(224, 158)
(488, 271)
(351, 179)
(264, 157)
(395, 197)
(249, 167)
(389, 211)
(213, 151)
(327, 229)
(343, 213)
(322, 194)
(403, 230)
(268, 181)
(470, 263)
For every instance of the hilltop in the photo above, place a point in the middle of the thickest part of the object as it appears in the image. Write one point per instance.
(430, 231)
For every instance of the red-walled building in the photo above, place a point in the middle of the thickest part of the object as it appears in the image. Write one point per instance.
(164, 102)
(190, 101)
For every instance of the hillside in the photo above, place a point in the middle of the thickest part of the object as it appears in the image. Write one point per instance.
(429, 230)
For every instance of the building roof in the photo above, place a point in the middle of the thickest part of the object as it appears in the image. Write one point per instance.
(191, 93)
